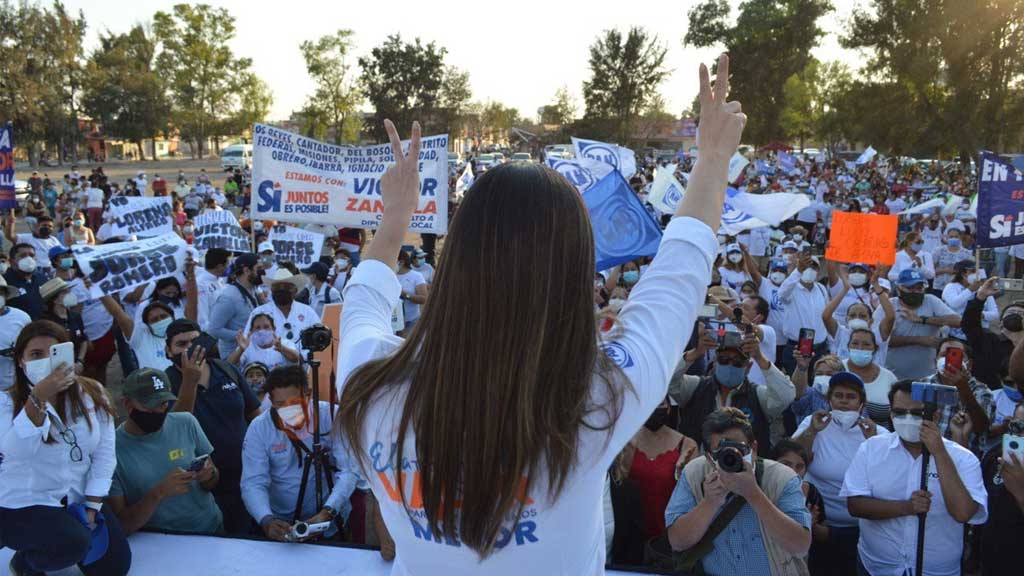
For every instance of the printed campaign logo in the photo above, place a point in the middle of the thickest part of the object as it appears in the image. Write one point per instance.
(601, 152)
(673, 195)
(578, 176)
(618, 354)
(270, 196)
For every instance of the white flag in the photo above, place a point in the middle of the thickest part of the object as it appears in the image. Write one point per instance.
(621, 158)
(666, 192)
(465, 180)
(867, 155)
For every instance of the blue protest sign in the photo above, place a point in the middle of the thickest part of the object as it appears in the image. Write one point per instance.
(623, 230)
(7, 198)
(1000, 202)
(787, 161)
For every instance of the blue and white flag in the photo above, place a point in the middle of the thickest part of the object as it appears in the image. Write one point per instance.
(866, 156)
(465, 180)
(623, 229)
(621, 158)
(1000, 202)
(787, 162)
(7, 197)
(743, 211)
(763, 168)
(666, 191)
(581, 173)
(737, 164)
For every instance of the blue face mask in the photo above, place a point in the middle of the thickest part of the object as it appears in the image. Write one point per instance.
(953, 242)
(631, 277)
(67, 263)
(1014, 395)
(159, 327)
(917, 247)
(730, 376)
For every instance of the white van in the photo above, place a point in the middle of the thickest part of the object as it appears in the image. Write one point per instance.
(236, 156)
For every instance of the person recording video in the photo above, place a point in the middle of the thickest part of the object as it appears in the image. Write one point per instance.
(276, 446)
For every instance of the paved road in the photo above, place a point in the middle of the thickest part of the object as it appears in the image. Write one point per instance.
(122, 170)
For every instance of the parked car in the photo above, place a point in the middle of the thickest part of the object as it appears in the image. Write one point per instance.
(499, 158)
(21, 192)
(236, 156)
(522, 157)
(484, 162)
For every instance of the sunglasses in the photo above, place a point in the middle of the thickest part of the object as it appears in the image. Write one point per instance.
(288, 327)
(738, 362)
(905, 412)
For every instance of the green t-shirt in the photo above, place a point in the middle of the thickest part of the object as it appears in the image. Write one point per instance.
(144, 461)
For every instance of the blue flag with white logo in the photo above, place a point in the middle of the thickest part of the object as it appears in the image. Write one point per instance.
(7, 197)
(787, 161)
(581, 173)
(623, 230)
(619, 157)
(1000, 202)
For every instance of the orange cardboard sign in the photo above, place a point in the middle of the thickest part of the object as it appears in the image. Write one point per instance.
(867, 238)
(331, 318)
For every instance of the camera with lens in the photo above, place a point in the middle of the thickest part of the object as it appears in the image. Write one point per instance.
(302, 530)
(316, 338)
(1015, 427)
(729, 455)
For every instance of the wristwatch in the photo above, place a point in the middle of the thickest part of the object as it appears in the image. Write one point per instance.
(97, 506)
(331, 512)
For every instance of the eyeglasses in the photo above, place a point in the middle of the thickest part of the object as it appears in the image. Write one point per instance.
(288, 327)
(904, 412)
(69, 438)
(738, 362)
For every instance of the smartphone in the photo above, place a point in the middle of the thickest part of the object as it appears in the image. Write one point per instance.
(806, 342)
(954, 359)
(1013, 444)
(708, 311)
(63, 353)
(198, 462)
(204, 340)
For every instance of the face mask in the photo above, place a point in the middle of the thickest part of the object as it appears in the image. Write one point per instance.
(69, 300)
(293, 416)
(858, 279)
(777, 277)
(912, 299)
(3, 267)
(27, 264)
(953, 242)
(1013, 322)
(940, 364)
(858, 324)
(78, 223)
(419, 261)
(908, 427)
(342, 263)
(657, 420)
(187, 230)
(267, 260)
(808, 276)
(1013, 395)
(282, 297)
(263, 338)
(798, 238)
(861, 358)
(159, 328)
(67, 263)
(821, 384)
(631, 277)
(972, 278)
(258, 225)
(44, 232)
(149, 422)
(916, 247)
(730, 376)
(845, 418)
(256, 279)
(735, 258)
(37, 370)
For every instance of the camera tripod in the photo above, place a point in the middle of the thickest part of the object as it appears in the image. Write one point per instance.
(316, 459)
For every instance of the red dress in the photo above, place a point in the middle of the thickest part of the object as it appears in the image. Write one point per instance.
(656, 479)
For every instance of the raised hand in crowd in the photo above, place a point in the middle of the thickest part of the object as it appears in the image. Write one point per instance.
(867, 427)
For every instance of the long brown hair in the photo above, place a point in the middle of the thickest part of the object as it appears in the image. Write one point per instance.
(22, 388)
(501, 361)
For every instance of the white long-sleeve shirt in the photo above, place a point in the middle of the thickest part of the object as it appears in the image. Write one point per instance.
(656, 323)
(905, 261)
(272, 474)
(803, 308)
(956, 296)
(36, 473)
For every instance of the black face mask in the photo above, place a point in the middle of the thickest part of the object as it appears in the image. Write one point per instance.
(1013, 322)
(44, 232)
(912, 299)
(657, 420)
(168, 299)
(282, 297)
(149, 422)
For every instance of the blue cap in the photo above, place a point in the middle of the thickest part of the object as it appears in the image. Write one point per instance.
(779, 265)
(847, 378)
(860, 265)
(58, 251)
(911, 277)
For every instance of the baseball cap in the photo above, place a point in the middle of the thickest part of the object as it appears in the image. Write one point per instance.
(846, 378)
(779, 265)
(317, 269)
(732, 248)
(58, 251)
(860, 265)
(790, 245)
(884, 283)
(149, 386)
(911, 277)
(964, 265)
(266, 246)
(245, 260)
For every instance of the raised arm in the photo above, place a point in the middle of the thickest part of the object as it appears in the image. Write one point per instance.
(124, 321)
(191, 291)
(751, 267)
(827, 315)
(9, 228)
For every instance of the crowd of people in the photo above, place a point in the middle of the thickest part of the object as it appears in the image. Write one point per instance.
(790, 440)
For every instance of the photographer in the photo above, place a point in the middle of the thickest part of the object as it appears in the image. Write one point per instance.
(769, 526)
(290, 316)
(1004, 481)
(221, 400)
(993, 348)
(276, 446)
(728, 385)
(882, 489)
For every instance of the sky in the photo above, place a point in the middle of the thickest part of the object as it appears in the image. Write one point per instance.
(517, 53)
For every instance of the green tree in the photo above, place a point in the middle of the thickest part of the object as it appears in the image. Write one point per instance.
(624, 78)
(254, 102)
(337, 96)
(801, 114)
(562, 111)
(497, 119)
(403, 82)
(959, 61)
(124, 93)
(202, 72)
(770, 41)
(453, 108)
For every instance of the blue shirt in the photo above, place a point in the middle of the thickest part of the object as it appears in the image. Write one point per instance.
(808, 404)
(739, 549)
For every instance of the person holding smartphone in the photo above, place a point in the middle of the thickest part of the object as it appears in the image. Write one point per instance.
(57, 441)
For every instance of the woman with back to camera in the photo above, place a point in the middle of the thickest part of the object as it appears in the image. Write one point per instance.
(502, 397)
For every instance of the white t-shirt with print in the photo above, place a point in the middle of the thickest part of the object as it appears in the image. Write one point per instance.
(409, 281)
(12, 320)
(149, 350)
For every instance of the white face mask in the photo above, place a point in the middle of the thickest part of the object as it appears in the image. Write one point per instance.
(3, 302)
(27, 265)
(3, 267)
(37, 370)
(735, 257)
(69, 300)
(845, 418)
(809, 276)
(858, 324)
(908, 427)
(293, 415)
(972, 278)
(798, 238)
(821, 384)
(858, 279)
(777, 277)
